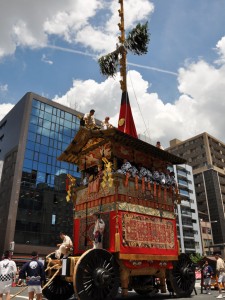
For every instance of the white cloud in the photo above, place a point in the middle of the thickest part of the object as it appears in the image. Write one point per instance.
(3, 87)
(31, 23)
(46, 60)
(4, 109)
(199, 108)
(221, 50)
(137, 13)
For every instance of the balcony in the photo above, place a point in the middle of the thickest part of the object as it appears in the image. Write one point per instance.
(181, 173)
(189, 236)
(184, 193)
(187, 224)
(183, 183)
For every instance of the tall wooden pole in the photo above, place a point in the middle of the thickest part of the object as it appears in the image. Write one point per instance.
(123, 69)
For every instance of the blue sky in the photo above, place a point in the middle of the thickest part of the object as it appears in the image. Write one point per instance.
(179, 85)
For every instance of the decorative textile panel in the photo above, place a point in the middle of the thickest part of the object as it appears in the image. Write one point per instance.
(148, 234)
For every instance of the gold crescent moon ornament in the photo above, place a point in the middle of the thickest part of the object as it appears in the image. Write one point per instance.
(121, 122)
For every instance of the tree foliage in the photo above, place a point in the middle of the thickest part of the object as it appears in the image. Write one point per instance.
(196, 258)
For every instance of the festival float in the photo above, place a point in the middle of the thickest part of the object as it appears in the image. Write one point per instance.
(130, 185)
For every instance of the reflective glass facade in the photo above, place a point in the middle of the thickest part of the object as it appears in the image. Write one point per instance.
(42, 207)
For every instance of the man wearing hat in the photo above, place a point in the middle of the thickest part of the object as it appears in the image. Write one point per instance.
(34, 273)
(7, 275)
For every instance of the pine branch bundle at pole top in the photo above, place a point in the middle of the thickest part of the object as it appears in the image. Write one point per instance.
(109, 64)
(138, 39)
(136, 42)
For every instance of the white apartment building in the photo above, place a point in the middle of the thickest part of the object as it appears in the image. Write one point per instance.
(188, 227)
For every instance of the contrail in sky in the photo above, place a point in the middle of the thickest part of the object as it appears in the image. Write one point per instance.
(96, 57)
(71, 51)
(153, 68)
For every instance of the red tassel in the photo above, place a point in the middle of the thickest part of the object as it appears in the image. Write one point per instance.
(165, 194)
(143, 184)
(154, 189)
(149, 186)
(136, 182)
(127, 178)
(159, 192)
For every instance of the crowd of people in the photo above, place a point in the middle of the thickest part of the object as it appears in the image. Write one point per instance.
(32, 273)
(218, 274)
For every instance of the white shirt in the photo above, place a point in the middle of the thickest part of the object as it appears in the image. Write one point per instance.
(220, 266)
(7, 270)
(67, 241)
(89, 120)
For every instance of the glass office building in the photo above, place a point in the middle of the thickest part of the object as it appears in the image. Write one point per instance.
(33, 189)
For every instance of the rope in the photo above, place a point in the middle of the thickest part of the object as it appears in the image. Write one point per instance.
(146, 129)
(51, 278)
(23, 289)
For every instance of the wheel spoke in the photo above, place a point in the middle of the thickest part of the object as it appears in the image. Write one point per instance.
(182, 277)
(96, 276)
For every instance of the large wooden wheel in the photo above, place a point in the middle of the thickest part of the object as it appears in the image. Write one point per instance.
(182, 277)
(58, 289)
(96, 276)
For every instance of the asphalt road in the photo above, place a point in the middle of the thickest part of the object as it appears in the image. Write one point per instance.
(133, 295)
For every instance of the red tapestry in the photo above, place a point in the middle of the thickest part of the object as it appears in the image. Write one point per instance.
(147, 232)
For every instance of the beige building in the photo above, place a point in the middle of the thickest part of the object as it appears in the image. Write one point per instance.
(206, 155)
(207, 238)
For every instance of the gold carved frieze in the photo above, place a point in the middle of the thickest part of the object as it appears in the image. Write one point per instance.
(84, 195)
(145, 210)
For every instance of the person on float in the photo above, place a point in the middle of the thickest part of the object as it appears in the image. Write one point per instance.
(89, 119)
(158, 145)
(105, 123)
(64, 247)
